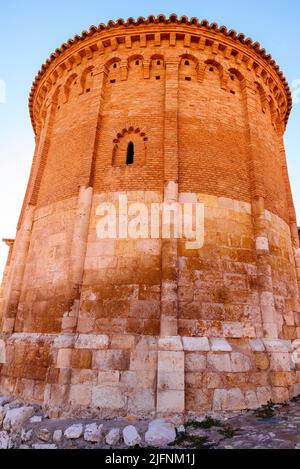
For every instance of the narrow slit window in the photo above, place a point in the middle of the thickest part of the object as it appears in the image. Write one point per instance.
(130, 153)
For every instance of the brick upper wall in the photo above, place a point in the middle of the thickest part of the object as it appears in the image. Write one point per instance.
(99, 101)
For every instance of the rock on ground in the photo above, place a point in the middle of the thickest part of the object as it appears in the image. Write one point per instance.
(2, 415)
(74, 432)
(131, 436)
(4, 440)
(93, 433)
(15, 418)
(43, 447)
(113, 437)
(160, 433)
(26, 436)
(36, 419)
(44, 434)
(57, 436)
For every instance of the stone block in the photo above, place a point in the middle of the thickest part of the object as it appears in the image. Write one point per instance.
(122, 342)
(108, 378)
(257, 345)
(270, 330)
(170, 401)
(261, 360)
(195, 361)
(64, 358)
(282, 378)
(264, 395)
(240, 363)
(140, 379)
(220, 345)
(108, 360)
(170, 361)
(81, 358)
(268, 313)
(233, 329)
(82, 376)
(251, 400)
(281, 361)
(193, 380)
(64, 341)
(228, 399)
(212, 380)
(196, 344)
(108, 398)
(68, 324)
(219, 362)
(2, 352)
(170, 380)
(294, 390)
(143, 360)
(262, 243)
(280, 395)
(197, 400)
(80, 394)
(142, 402)
(170, 344)
(267, 299)
(92, 341)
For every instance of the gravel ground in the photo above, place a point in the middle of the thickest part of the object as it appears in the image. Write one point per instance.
(271, 427)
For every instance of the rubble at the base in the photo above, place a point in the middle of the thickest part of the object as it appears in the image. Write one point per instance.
(24, 426)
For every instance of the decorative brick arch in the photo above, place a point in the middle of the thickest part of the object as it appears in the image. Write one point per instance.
(129, 136)
(262, 95)
(223, 74)
(86, 79)
(67, 87)
(188, 67)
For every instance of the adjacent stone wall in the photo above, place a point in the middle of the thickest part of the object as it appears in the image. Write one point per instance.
(119, 375)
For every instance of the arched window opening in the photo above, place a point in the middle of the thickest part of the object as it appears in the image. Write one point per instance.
(187, 62)
(129, 148)
(130, 153)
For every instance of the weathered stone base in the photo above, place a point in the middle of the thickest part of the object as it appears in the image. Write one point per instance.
(124, 375)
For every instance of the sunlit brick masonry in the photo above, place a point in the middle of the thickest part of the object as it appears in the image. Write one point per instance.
(160, 110)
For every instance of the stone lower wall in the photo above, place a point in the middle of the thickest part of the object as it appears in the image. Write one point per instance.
(123, 375)
(46, 286)
(221, 287)
(238, 285)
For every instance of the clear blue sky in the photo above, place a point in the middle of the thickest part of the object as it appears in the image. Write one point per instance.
(31, 30)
